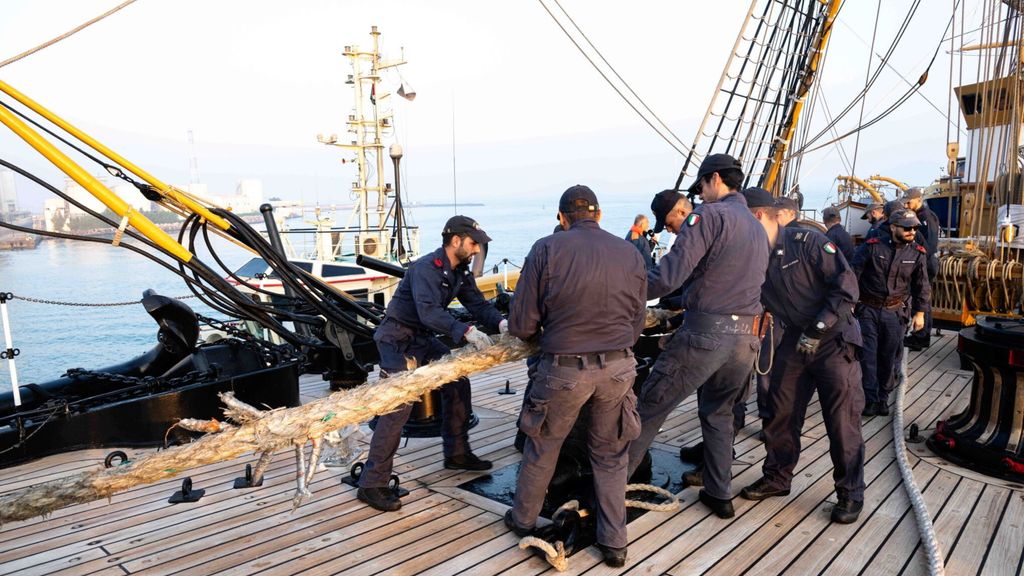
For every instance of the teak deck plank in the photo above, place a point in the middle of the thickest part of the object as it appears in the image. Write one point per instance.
(442, 529)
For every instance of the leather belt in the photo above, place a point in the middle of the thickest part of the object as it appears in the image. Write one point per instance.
(721, 323)
(591, 359)
(886, 303)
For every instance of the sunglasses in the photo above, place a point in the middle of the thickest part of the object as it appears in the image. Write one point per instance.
(912, 228)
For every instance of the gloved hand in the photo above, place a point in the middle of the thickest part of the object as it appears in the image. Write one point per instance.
(503, 327)
(477, 339)
(807, 345)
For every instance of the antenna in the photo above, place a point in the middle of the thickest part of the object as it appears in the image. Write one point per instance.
(193, 164)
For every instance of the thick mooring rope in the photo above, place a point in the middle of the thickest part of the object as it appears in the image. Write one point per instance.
(260, 431)
(924, 521)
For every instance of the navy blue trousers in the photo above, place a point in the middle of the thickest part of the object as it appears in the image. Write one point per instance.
(834, 372)
(397, 343)
(882, 331)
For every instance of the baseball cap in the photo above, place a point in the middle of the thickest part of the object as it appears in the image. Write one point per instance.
(714, 163)
(905, 218)
(468, 226)
(872, 206)
(758, 197)
(787, 203)
(578, 197)
(829, 213)
(892, 206)
(662, 204)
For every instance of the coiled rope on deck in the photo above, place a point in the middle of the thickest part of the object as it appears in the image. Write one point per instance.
(555, 552)
(924, 521)
(260, 431)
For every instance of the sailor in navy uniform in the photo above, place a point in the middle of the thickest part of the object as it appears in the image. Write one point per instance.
(720, 253)
(892, 271)
(929, 238)
(811, 288)
(417, 312)
(836, 233)
(583, 295)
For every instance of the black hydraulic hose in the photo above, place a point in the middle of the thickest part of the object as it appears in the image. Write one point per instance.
(46, 185)
(324, 304)
(380, 266)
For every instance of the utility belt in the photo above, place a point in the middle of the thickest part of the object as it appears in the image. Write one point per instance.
(701, 322)
(892, 303)
(592, 359)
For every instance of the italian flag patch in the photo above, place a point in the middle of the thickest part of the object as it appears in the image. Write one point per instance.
(693, 220)
(829, 248)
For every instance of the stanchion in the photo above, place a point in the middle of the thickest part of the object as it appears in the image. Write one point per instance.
(9, 351)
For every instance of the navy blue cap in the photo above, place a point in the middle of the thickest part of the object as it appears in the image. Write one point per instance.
(829, 213)
(662, 204)
(576, 198)
(468, 226)
(758, 198)
(715, 163)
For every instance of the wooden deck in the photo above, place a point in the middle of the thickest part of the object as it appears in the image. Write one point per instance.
(442, 529)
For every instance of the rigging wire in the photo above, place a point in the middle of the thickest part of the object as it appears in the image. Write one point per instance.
(901, 76)
(67, 34)
(678, 144)
(867, 74)
(899, 102)
(885, 59)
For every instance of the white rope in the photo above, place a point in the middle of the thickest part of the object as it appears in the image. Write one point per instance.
(924, 521)
(671, 504)
(555, 553)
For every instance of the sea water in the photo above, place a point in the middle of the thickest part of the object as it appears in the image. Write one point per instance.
(53, 338)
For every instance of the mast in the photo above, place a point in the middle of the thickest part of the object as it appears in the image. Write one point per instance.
(760, 96)
(770, 181)
(372, 125)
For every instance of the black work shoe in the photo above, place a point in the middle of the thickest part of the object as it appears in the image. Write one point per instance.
(882, 408)
(869, 410)
(694, 477)
(516, 529)
(721, 508)
(614, 557)
(693, 454)
(382, 499)
(846, 511)
(762, 489)
(467, 461)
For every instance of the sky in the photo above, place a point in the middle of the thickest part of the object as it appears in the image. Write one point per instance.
(506, 107)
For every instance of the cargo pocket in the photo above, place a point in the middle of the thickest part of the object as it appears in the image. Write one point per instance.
(531, 420)
(629, 422)
(626, 376)
(664, 372)
(704, 341)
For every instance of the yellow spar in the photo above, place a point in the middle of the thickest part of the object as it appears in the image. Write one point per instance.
(144, 225)
(168, 191)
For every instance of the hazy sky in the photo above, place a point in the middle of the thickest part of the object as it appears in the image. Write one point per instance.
(256, 80)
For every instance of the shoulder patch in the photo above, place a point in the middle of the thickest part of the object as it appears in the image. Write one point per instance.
(829, 248)
(875, 240)
(438, 263)
(693, 219)
(920, 249)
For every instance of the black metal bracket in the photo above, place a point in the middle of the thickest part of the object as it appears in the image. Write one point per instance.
(357, 470)
(9, 353)
(5, 296)
(246, 481)
(120, 455)
(508, 388)
(187, 493)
